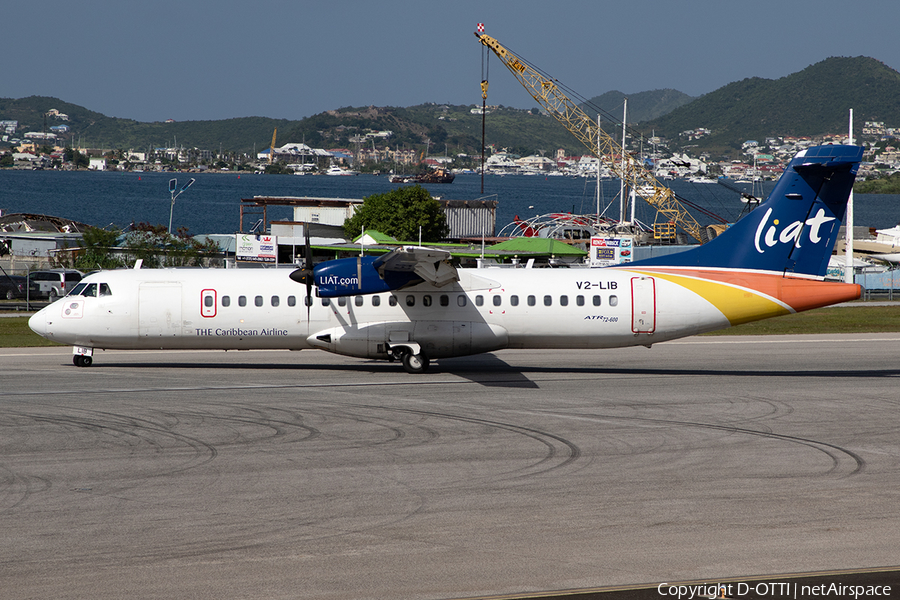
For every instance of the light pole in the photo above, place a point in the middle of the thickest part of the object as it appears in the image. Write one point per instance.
(173, 186)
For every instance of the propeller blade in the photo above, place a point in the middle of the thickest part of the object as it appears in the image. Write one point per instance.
(306, 274)
(310, 273)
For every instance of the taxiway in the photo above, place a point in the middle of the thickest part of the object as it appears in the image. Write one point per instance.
(217, 475)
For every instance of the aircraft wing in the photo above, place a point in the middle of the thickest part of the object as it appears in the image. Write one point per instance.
(428, 263)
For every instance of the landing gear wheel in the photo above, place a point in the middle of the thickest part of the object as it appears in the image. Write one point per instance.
(415, 363)
(82, 361)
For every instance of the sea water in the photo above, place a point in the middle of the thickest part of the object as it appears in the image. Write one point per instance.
(212, 203)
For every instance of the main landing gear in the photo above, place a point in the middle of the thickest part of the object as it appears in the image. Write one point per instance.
(412, 363)
(415, 363)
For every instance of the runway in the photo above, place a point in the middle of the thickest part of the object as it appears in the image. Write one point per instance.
(261, 474)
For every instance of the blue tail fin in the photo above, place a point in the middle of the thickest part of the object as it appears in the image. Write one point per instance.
(793, 232)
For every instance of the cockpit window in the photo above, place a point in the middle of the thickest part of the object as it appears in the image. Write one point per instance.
(104, 290)
(90, 290)
(76, 291)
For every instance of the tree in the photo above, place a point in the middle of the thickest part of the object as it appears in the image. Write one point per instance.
(156, 247)
(400, 213)
(97, 245)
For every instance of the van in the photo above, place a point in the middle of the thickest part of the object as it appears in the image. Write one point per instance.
(12, 286)
(54, 283)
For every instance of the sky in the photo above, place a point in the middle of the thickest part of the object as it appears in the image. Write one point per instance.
(290, 59)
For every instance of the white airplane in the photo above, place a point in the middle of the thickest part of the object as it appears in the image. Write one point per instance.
(412, 305)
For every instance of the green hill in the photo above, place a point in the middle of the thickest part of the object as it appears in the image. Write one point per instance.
(94, 130)
(642, 106)
(440, 127)
(811, 102)
(814, 101)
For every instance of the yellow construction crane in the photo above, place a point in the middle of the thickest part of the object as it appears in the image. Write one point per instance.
(637, 177)
(272, 148)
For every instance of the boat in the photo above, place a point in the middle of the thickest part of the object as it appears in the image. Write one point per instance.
(335, 170)
(434, 176)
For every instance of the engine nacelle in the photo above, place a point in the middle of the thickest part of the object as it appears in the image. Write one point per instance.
(358, 276)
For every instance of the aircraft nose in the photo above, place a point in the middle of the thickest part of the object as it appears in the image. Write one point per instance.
(38, 322)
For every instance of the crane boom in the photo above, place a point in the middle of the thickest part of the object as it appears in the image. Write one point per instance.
(579, 124)
(272, 148)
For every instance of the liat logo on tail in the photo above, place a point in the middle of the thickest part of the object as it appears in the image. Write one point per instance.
(791, 233)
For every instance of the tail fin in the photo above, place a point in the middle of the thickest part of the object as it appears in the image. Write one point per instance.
(793, 232)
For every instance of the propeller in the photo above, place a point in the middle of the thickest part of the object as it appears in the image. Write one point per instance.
(306, 274)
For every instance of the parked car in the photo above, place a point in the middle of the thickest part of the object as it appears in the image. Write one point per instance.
(12, 286)
(54, 283)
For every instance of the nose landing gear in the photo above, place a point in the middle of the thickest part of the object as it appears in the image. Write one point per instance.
(82, 361)
(82, 357)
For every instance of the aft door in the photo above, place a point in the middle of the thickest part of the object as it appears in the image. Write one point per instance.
(643, 305)
(160, 309)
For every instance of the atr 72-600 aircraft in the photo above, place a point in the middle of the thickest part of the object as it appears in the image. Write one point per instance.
(412, 305)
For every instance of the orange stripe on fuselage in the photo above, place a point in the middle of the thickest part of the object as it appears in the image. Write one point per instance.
(749, 296)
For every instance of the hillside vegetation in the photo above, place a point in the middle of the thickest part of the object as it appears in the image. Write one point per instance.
(642, 106)
(814, 101)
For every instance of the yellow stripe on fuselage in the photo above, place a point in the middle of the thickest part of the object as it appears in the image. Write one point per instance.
(738, 304)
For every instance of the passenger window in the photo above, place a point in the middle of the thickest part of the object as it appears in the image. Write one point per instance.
(514, 300)
(445, 300)
(376, 300)
(563, 300)
(90, 290)
(497, 300)
(104, 290)
(208, 301)
(479, 300)
(307, 301)
(579, 300)
(410, 300)
(292, 301)
(342, 301)
(276, 301)
(358, 300)
(226, 300)
(326, 301)
(258, 301)
(392, 300)
(461, 300)
(613, 300)
(242, 300)
(548, 300)
(426, 300)
(597, 301)
(532, 300)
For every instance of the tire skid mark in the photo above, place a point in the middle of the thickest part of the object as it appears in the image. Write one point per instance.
(837, 454)
(560, 452)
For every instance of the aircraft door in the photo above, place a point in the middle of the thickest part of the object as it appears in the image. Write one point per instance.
(208, 303)
(159, 310)
(643, 304)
